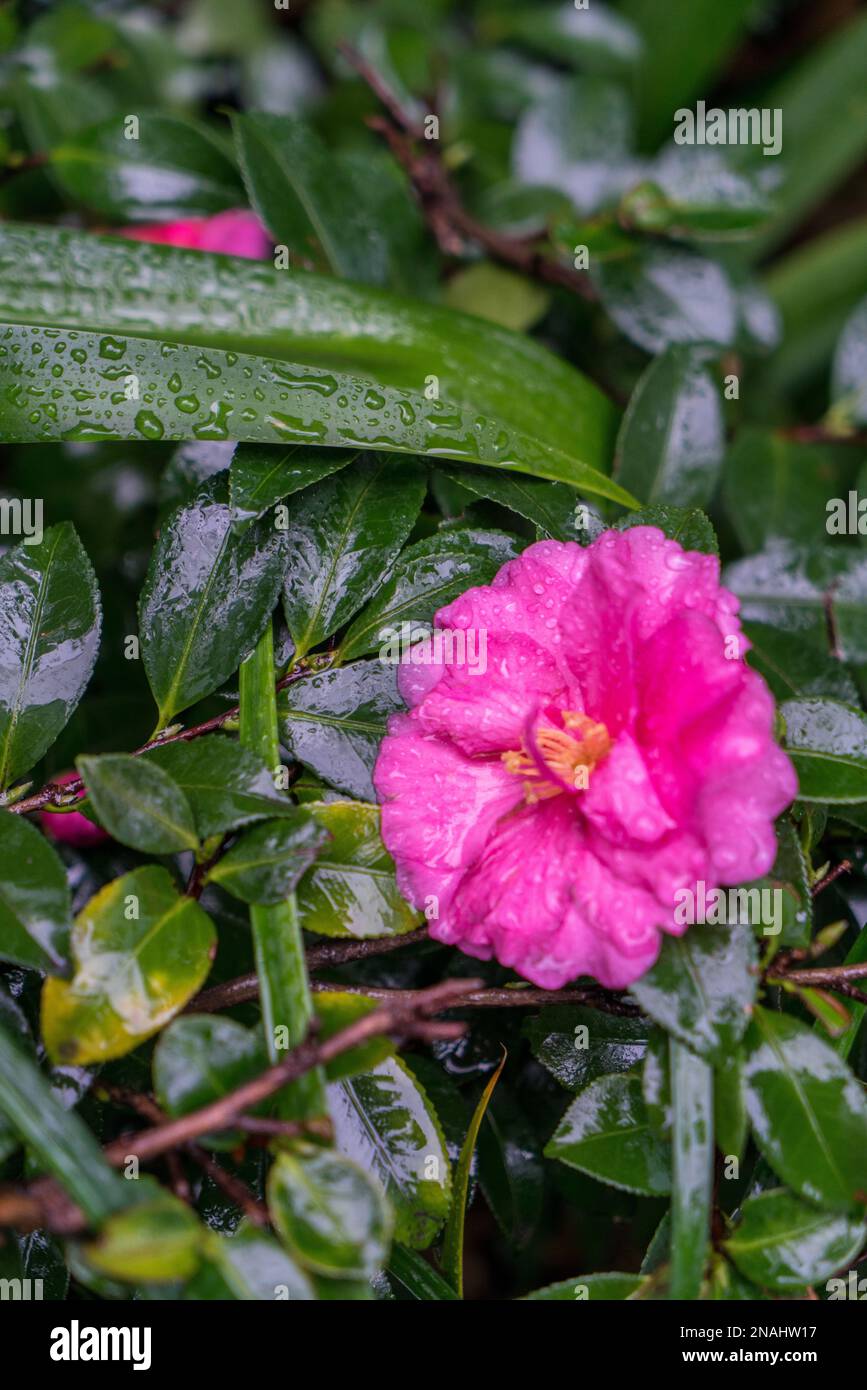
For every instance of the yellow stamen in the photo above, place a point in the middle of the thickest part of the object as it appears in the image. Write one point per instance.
(570, 759)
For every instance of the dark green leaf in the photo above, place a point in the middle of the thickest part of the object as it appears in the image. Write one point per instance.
(775, 487)
(226, 785)
(35, 905)
(579, 1044)
(265, 863)
(210, 589)
(670, 445)
(607, 1134)
(418, 1277)
(351, 890)
(587, 1288)
(259, 477)
(827, 743)
(782, 1243)
(249, 1265)
(702, 987)
(139, 804)
(383, 1120)
(343, 534)
(175, 168)
(202, 1058)
(50, 620)
(329, 1213)
(664, 296)
(849, 372)
(552, 507)
(801, 591)
(692, 1170)
(688, 526)
(334, 722)
(792, 668)
(807, 1111)
(428, 575)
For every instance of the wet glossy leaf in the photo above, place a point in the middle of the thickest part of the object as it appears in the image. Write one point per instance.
(351, 890)
(670, 445)
(792, 912)
(687, 525)
(210, 589)
(800, 591)
(730, 1116)
(607, 1134)
(578, 1044)
(59, 1137)
(331, 1215)
(553, 507)
(702, 987)
(35, 904)
(827, 743)
(453, 1240)
(335, 722)
(343, 534)
(324, 341)
(152, 1241)
(226, 785)
(175, 168)
(50, 619)
(511, 1169)
(665, 296)
(415, 1274)
(259, 477)
(141, 951)
(692, 1144)
(265, 863)
(792, 668)
(201, 1058)
(248, 1265)
(807, 1111)
(698, 193)
(849, 372)
(587, 1287)
(782, 1243)
(335, 1010)
(775, 487)
(383, 1120)
(428, 575)
(139, 804)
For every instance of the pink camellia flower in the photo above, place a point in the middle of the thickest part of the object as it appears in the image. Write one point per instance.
(70, 827)
(615, 750)
(236, 233)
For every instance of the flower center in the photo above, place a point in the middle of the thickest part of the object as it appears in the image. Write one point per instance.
(556, 757)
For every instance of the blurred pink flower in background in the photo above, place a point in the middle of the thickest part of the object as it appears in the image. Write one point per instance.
(616, 750)
(235, 233)
(70, 827)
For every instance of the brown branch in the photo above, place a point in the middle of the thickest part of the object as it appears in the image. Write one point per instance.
(844, 867)
(451, 223)
(228, 1183)
(830, 975)
(44, 1204)
(67, 793)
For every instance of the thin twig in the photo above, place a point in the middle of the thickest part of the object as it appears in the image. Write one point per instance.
(829, 975)
(844, 867)
(67, 793)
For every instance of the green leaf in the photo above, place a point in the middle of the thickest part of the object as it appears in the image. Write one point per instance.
(141, 951)
(597, 39)
(550, 506)
(259, 477)
(139, 804)
(670, 445)
(775, 487)
(587, 1288)
(202, 1057)
(35, 905)
(807, 1112)
(801, 592)
(688, 526)
(498, 295)
(577, 1044)
(729, 1109)
(827, 743)
(428, 575)
(265, 863)
(696, 193)
(790, 877)
(59, 1138)
(335, 722)
(383, 1120)
(702, 987)
(413, 1272)
(248, 1265)
(331, 1215)
(607, 1134)
(792, 668)
(343, 534)
(453, 1240)
(226, 785)
(686, 44)
(351, 889)
(782, 1243)
(210, 589)
(175, 168)
(335, 1010)
(527, 409)
(692, 1171)
(153, 1241)
(50, 620)
(511, 1168)
(849, 370)
(662, 296)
